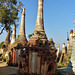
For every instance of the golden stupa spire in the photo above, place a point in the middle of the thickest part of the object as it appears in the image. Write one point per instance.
(73, 25)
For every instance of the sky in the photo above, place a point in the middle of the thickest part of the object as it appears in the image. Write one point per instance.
(58, 19)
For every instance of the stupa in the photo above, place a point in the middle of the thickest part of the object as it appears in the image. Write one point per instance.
(22, 36)
(13, 38)
(7, 40)
(39, 26)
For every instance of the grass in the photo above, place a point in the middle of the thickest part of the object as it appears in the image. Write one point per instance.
(61, 65)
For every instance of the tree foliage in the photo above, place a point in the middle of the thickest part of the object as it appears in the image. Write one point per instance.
(9, 10)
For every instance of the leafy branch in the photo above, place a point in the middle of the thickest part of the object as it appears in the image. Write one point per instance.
(9, 10)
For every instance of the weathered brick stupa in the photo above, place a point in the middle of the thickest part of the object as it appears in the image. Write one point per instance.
(22, 36)
(6, 45)
(38, 57)
(20, 41)
(39, 27)
(13, 38)
(7, 40)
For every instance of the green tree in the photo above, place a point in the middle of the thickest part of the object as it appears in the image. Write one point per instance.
(9, 10)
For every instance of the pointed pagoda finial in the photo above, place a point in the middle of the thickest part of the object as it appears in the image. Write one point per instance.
(73, 20)
(39, 26)
(67, 37)
(58, 45)
(63, 48)
(73, 15)
(58, 50)
(22, 36)
(39, 21)
(23, 11)
(13, 38)
(73, 25)
(7, 40)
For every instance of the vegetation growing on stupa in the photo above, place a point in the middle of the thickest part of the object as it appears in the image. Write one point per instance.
(1, 44)
(17, 40)
(41, 43)
(30, 35)
(39, 33)
(65, 62)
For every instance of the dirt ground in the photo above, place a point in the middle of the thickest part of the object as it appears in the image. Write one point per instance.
(7, 70)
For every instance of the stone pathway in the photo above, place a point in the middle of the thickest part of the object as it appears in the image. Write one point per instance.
(7, 70)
